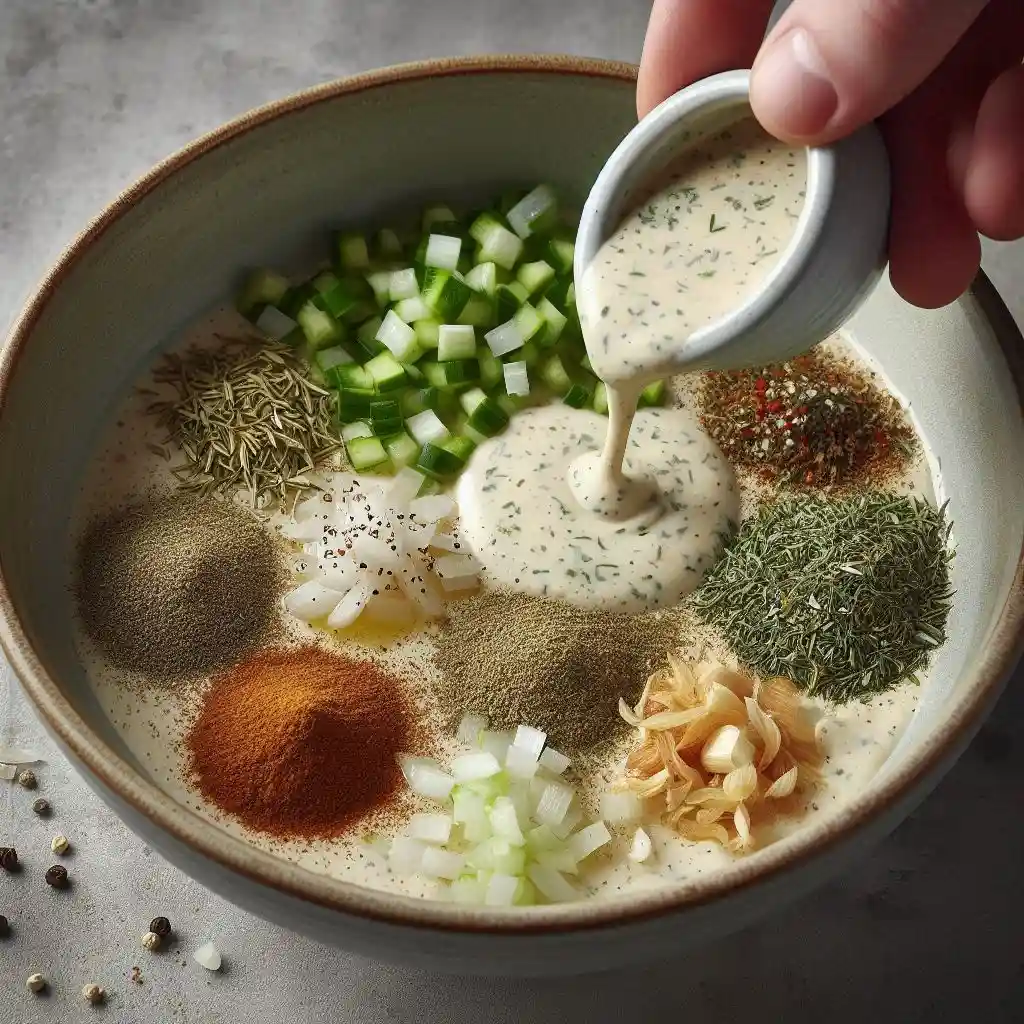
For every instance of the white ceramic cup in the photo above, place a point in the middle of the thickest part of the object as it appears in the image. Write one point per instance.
(832, 263)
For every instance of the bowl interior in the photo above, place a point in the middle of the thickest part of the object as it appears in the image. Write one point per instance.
(266, 193)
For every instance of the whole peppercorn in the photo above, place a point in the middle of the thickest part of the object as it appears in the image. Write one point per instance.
(35, 983)
(41, 807)
(27, 779)
(5, 927)
(160, 926)
(57, 877)
(151, 941)
(93, 994)
(8, 858)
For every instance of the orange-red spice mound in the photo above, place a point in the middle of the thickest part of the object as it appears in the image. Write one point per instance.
(299, 743)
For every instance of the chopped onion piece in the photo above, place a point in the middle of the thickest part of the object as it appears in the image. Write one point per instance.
(505, 338)
(446, 542)
(8, 771)
(589, 839)
(554, 761)
(572, 818)
(478, 765)
(505, 823)
(312, 601)
(468, 891)
(208, 956)
(470, 728)
(406, 855)
(411, 764)
(405, 486)
(275, 324)
(621, 808)
(530, 739)
(470, 808)
(430, 828)
(517, 378)
(438, 863)
(501, 890)
(304, 532)
(348, 609)
(561, 860)
(16, 755)
(426, 426)
(496, 743)
(553, 804)
(443, 252)
(520, 762)
(542, 838)
(457, 572)
(430, 782)
(551, 884)
(641, 849)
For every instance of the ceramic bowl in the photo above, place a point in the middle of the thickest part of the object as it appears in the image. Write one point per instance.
(261, 190)
(832, 264)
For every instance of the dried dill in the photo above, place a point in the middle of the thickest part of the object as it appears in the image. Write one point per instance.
(245, 417)
(847, 598)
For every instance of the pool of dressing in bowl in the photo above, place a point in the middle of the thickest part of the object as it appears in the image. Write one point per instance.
(152, 719)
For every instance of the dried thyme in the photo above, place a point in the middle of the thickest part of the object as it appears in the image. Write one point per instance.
(245, 417)
(847, 598)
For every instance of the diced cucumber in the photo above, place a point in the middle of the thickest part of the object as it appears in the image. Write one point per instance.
(554, 323)
(452, 372)
(366, 335)
(555, 375)
(560, 254)
(558, 291)
(366, 453)
(445, 459)
(509, 198)
(403, 284)
(418, 400)
(427, 333)
(484, 414)
(436, 214)
(353, 252)
(353, 403)
(535, 213)
(517, 378)
(445, 294)
(505, 338)
(413, 310)
(396, 335)
(337, 295)
(296, 298)
(380, 282)
(510, 298)
(385, 416)
(443, 251)
(534, 277)
(413, 372)
(528, 320)
(483, 278)
(600, 403)
(320, 329)
(387, 372)
(357, 428)
(491, 372)
(352, 375)
(277, 326)
(401, 449)
(530, 353)
(261, 288)
(328, 358)
(480, 311)
(456, 341)
(389, 245)
(653, 394)
(426, 427)
(497, 244)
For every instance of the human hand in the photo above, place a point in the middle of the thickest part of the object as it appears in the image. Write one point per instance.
(944, 77)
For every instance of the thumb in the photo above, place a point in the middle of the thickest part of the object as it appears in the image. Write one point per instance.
(830, 66)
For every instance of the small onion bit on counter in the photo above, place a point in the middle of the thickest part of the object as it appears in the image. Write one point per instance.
(508, 834)
(376, 547)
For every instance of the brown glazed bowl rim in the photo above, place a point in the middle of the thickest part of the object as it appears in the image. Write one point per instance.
(206, 839)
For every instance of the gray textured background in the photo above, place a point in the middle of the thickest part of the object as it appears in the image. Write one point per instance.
(92, 92)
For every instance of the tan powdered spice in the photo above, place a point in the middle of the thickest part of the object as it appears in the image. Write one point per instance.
(524, 661)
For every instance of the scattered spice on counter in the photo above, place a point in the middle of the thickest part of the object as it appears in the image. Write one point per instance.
(299, 743)
(8, 858)
(35, 983)
(519, 659)
(93, 994)
(136, 976)
(208, 956)
(42, 807)
(719, 756)
(178, 587)
(816, 421)
(160, 927)
(27, 779)
(60, 845)
(245, 416)
(5, 927)
(57, 877)
(151, 941)
(847, 598)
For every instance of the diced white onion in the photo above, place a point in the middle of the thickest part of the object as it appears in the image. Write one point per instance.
(443, 252)
(312, 601)
(446, 542)
(505, 338)
(551, 884)
(457, 572)
(589, 839)
(430, 782)
(572, 818)
(470, 728)
(432, 507)
(349, 608)
(430, 828)
(426, 426)
(405, 486)
(641, 848)
(470, 891)
(553, 804)
(501, 890)
(560, 860)
(208, 956)
(517, 378)
(406, 856)
(520, 763)
(496, 743)
(403, 285)
(469, 807)
(530, 739)
(554, 761)
(438, 863)
(478, 765)
(621, 808)
(396, 335)
(275, 324)
(505, 823)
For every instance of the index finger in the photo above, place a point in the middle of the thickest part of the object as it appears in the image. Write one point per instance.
(691, 39)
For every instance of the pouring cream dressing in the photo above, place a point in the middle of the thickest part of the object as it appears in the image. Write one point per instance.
(636, 522)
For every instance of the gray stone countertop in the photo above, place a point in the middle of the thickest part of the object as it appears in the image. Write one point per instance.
(92, 93)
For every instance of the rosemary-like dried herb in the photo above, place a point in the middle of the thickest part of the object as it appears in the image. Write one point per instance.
(847, 598)
(245, 417)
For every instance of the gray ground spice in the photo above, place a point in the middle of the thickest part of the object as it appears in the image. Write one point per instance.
(520, 660)
(178, 587)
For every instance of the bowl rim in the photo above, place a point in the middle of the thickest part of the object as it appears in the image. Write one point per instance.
(348, 898)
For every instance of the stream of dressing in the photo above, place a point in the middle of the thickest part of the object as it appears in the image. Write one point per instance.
(636, 522)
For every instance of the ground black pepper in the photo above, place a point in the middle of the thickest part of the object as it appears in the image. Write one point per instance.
(524, 661)
(179, 587)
